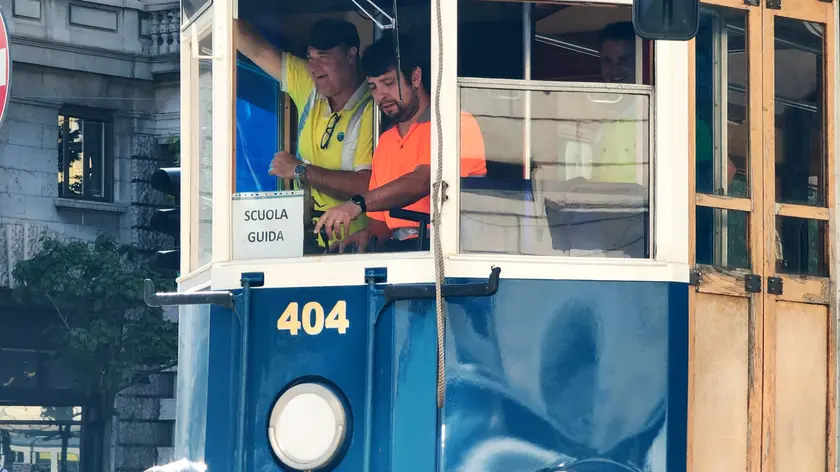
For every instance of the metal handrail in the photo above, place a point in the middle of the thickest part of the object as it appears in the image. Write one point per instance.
(373, 18)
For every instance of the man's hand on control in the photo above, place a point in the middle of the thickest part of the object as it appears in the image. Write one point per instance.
(359, 240)
(283, 165)
(337, 217)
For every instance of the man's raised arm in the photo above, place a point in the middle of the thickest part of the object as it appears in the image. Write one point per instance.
(257, 49)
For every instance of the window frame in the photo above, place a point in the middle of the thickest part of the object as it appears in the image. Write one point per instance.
(669, 132)
(224, 128)
(670, 235)
(105, 118)
(523, 85)
(190, 37)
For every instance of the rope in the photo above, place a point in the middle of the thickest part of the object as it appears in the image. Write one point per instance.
(437, 197)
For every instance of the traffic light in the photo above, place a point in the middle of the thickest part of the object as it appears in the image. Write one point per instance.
(168, 220)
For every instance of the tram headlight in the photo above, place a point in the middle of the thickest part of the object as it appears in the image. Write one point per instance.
(307, 426)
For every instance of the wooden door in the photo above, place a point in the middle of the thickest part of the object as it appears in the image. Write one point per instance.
(725, 355)
(799, 345)
(761, 388)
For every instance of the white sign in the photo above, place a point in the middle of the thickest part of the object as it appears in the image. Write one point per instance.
(267, 225)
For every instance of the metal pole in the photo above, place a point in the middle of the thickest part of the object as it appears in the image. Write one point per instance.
(527, 37)
(377, 115)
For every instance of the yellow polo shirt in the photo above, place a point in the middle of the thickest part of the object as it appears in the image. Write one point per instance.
(615, 155)
(351, 146)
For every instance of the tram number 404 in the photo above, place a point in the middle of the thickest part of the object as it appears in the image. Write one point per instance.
(311, 318)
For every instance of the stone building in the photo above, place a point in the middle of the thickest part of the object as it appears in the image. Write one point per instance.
(106, 70)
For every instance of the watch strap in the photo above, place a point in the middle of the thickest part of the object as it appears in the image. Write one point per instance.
(359, 200)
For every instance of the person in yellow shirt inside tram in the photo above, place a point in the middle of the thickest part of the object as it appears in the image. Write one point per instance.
(335, 128)
(615, 158)
(402, 160)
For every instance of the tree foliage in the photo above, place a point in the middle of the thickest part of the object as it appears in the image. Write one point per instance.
(105, 331)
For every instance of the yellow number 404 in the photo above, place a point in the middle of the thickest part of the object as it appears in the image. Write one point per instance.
(313, 318)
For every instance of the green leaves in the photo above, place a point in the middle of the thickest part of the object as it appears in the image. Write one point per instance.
(104, 330)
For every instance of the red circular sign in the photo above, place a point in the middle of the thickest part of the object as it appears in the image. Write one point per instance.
(5, 67)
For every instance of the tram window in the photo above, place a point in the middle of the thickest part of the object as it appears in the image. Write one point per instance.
(799, 111)
(205, 151)
(286, 66)
(722, 126)
(801, 246)
(565, 43)
(191, 7)
(568, 160)
(723, 237)
(722, 115)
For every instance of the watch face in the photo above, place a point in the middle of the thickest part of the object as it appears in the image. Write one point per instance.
(299, 169)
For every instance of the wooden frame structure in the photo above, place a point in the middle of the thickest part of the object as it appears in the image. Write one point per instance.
(763, 352)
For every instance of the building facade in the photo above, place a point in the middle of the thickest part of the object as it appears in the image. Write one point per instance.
(94, 102)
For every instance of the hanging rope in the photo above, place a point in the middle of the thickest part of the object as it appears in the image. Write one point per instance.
(438, 192)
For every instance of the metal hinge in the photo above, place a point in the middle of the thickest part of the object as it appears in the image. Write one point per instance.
(774, 285)
(774, 4)
(694, 278)
(754, 3)
(752, 283)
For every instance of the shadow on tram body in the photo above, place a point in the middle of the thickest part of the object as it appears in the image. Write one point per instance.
(573, 376)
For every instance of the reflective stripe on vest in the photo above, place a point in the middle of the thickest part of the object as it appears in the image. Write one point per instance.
(351, 136)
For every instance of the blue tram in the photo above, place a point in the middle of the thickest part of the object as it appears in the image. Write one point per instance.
(594, 302)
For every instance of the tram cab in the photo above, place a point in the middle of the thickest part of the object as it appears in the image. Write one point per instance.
(599, 298)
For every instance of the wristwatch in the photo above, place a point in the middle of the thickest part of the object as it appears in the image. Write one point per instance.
(300, 172)
(359, 200)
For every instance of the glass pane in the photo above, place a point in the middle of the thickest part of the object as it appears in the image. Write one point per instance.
(94, 147)
(75, 156)
(583, 189)
(205, 153)
(722, 126)
(40, 439)
(723, 237)
(801, 246)
(800, 130)
(191, 7)
(258, 125)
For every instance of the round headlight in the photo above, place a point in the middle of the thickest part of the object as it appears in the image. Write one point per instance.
(307, 426)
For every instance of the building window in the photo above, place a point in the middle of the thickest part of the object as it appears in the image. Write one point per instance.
(40, 438)
(85, 156)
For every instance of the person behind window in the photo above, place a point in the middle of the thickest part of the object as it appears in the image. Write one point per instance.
(401, 175)
(335, 128)
(618, 53)
(615, 155)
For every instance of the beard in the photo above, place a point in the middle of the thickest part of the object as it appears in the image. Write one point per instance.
(403, 111)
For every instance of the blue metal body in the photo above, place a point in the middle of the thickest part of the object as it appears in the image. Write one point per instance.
(541, 374)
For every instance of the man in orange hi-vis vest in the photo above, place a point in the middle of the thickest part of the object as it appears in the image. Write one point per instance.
(401, 170)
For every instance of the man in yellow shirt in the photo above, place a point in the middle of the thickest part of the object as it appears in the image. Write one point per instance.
(335, 128)
(616, 158)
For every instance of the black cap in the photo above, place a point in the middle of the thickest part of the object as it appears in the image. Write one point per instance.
(331, 32)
